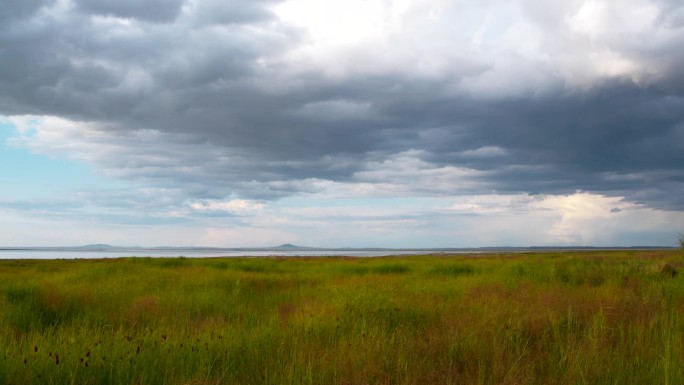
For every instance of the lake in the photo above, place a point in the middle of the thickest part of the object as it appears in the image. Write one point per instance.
(46, 253)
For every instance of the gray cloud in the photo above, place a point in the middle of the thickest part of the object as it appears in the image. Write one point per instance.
(218, 12)
(151, 10)
(229, 113)
(17, 10)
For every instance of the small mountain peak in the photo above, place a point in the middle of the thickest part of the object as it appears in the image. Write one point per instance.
(287, 246)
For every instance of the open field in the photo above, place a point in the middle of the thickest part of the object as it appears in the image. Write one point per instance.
(544, 318)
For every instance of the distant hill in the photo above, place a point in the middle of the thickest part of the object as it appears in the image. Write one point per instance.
(95, 246)
(287, 246)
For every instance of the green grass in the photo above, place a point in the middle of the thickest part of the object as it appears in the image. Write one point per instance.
(554, 318)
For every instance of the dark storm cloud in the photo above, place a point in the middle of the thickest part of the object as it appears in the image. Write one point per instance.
(13, 10)
(150, 10)
(234, 118)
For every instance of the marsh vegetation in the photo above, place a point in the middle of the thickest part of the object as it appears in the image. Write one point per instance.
(545, 318)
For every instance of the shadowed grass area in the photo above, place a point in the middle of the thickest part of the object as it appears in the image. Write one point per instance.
(542, 318)
(453, 270)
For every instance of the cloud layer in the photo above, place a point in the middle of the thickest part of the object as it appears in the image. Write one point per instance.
(207, 100)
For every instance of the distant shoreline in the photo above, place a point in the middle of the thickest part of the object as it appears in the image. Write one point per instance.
(11, 253)
(304, 248)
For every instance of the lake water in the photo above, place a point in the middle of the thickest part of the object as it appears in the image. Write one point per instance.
(67, 253)
(94, 254)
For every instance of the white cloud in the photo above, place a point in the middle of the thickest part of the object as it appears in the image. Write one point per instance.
(484, 152)
(481, 47)
(496, 204)
(577, 219)
(374, 37)
(592, 219)
(408, 172)
(336, 23)
(460, 221)
(234, 206)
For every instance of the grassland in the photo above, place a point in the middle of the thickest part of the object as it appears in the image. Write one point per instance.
(554, 318)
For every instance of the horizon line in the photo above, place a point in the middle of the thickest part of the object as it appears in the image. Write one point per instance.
(314, 248)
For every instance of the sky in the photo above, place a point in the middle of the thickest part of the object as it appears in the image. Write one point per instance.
(356, 123)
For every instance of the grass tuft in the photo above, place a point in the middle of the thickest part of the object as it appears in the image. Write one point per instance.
(453, 270)
(391, 268)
